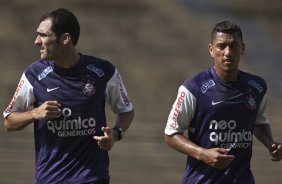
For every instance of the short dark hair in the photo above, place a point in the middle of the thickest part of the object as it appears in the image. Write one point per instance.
(63, 21)
(226, 27)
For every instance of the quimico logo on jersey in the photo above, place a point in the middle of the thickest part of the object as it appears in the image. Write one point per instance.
(225, 135)
(67, 125)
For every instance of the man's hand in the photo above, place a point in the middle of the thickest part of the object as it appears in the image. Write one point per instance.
(107, 141)
(276, 151)
(217, 157)
(19, 120)
(48, 110)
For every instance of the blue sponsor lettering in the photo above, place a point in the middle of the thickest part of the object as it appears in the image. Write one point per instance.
(45, 72)
(256, 85)
(207, 86)
(96, 70)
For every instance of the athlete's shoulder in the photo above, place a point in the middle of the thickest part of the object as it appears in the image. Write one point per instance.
(96, 61)
(251, 76)
(254, 80)
(99, 66)
(196, 82)
(39, 70)
(38, 65)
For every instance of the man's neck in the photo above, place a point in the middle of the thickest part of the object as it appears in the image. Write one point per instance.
(68, 59)
(227, 76)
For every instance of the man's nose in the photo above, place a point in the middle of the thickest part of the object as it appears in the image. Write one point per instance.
(38, 40)
(227, 50)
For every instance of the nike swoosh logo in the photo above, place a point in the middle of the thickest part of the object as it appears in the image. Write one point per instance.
(215, 103)
(51, 89)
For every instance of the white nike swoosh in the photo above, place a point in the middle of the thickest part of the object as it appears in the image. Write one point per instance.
(215, 103)
(51, 89)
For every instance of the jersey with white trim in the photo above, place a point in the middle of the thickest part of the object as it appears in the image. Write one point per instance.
(65, 149)
(219, 114)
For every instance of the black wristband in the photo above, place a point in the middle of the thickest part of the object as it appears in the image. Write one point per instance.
(120, 132)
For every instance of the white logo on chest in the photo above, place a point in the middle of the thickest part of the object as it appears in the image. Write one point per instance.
(52, 89)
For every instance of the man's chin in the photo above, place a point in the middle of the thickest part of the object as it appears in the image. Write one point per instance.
(230, 67)
(45, 58)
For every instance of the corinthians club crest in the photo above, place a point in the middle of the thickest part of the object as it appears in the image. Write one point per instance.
(88, 86)
(250, 101)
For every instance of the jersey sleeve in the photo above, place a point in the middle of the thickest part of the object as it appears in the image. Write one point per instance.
(23, 98)
(182, 112)
(262, 117)
(117, 96)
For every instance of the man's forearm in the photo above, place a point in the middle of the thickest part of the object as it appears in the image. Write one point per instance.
(183, 145)
(18, 120)
(124, 120)
(264, 135)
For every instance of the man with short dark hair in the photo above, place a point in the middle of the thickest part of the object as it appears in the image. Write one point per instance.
(63, 95)
(221, 107)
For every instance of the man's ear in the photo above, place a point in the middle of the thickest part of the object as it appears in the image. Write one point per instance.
(211, 50)
(243, 49)
(65, 38)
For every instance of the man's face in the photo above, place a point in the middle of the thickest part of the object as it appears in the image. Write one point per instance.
(226, 49)
(47, 41)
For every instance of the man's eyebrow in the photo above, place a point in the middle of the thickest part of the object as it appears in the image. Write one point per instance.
(43, 34)
(220, 43)
(40, 33)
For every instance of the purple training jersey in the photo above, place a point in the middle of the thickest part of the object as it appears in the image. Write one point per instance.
(65, 149)
(219, 114)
